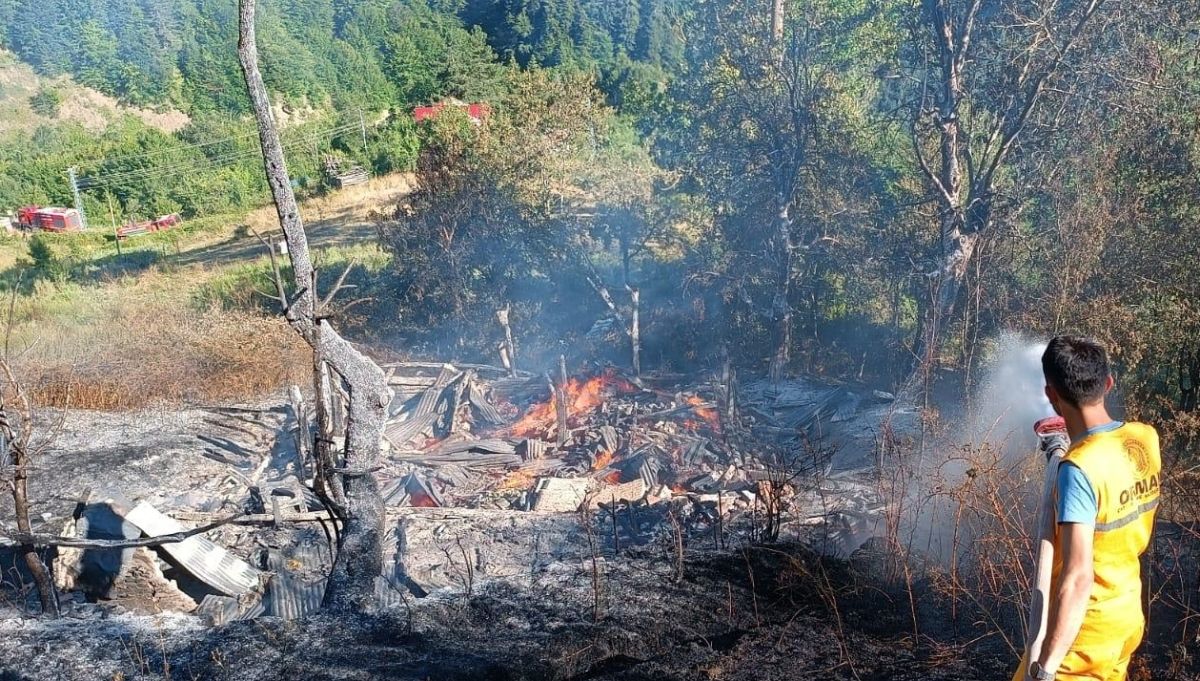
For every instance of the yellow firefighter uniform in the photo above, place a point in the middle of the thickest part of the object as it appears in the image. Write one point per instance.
(1124, 467)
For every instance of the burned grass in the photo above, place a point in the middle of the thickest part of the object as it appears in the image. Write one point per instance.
(734, 615)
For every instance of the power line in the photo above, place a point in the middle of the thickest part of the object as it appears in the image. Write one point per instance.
(181, 147)
(197, 145)
(204, 164)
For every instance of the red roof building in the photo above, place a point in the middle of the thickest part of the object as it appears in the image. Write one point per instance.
(477, 112)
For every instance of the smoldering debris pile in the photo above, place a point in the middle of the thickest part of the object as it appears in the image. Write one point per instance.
(490, 475)
(473, 436)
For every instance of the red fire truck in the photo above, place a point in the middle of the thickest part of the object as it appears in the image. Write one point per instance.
(163, 222)
(49, 219)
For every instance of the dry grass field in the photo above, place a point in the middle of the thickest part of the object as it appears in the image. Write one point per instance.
(175, 317)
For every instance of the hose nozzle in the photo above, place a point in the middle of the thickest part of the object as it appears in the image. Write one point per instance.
(1052, 435)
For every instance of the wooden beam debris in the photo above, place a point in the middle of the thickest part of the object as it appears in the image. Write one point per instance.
(44, 541)
(508, 352)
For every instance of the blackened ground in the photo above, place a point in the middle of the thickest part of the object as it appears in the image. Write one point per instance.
(762, 613)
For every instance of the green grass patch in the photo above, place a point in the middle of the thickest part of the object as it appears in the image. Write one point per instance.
(96, 254)
(241, 287)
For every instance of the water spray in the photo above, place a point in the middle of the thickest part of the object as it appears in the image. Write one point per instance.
(1011, 397)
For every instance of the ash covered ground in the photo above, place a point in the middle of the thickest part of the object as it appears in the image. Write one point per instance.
(751, 614)
(488, 587)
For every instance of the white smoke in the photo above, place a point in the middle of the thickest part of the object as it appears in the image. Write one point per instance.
(999, 420)
(1011, 397)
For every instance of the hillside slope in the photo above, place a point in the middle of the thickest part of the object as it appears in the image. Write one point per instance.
(79, 104)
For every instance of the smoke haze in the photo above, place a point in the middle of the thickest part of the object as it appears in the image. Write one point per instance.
(1010, 398)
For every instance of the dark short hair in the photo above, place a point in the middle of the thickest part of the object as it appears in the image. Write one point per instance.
(1077, 368)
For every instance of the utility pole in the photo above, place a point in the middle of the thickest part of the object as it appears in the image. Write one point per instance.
(112, 217)
(78, 198)
(362, 128)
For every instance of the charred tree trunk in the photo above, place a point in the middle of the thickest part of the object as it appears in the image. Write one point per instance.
(509, 354)
(33, 561)
(1188, 368)
(560, 402)
(325, 481)
(12, 452)
(303, 432)
(949, 180)
(635, 330)
(351, 585)
(782, 304)
(359, 562)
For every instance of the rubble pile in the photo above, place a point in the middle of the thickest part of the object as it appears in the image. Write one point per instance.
(488, 475)
(476, 437)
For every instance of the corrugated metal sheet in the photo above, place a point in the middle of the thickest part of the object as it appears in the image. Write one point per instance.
(288, 595)
(485, 411)
(387, 594)
(399, 433)
(218, 610)
(205, 560)
(420, 414)
(290, 598)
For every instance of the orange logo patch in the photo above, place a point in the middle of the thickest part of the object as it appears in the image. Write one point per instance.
(1138, 455)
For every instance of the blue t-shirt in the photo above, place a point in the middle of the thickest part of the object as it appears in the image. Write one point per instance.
(1076, 497)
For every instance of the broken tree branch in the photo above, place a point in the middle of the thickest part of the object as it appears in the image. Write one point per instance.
(43, 541)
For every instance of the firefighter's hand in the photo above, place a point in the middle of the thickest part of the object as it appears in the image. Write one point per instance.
(1052, 435)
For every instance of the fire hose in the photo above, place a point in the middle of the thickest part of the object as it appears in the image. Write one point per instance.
(1052, 432)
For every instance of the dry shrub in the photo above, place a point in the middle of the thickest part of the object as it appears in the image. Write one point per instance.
(140, 352)
(965, 532)
(981, 513)
(1173, 566)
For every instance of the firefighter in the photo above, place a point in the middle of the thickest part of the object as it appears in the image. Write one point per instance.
(1104, 500)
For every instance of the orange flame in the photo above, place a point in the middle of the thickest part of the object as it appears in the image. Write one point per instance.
(602, 460)
(705, 412)
(517, 480)
(613, 478)
(583, 396)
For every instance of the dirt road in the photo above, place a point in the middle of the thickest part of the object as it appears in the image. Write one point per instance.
(341, 218)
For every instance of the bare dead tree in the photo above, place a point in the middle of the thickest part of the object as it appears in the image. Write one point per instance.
(350, 476)
(15, 455)
(983, 69)
(773, 118)
(777, 9)
(16, 431)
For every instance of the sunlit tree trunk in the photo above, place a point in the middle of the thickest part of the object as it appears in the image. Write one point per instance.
(963, 175)
(359, 560)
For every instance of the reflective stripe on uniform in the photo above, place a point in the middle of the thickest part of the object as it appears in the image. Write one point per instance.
(1127, 518)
